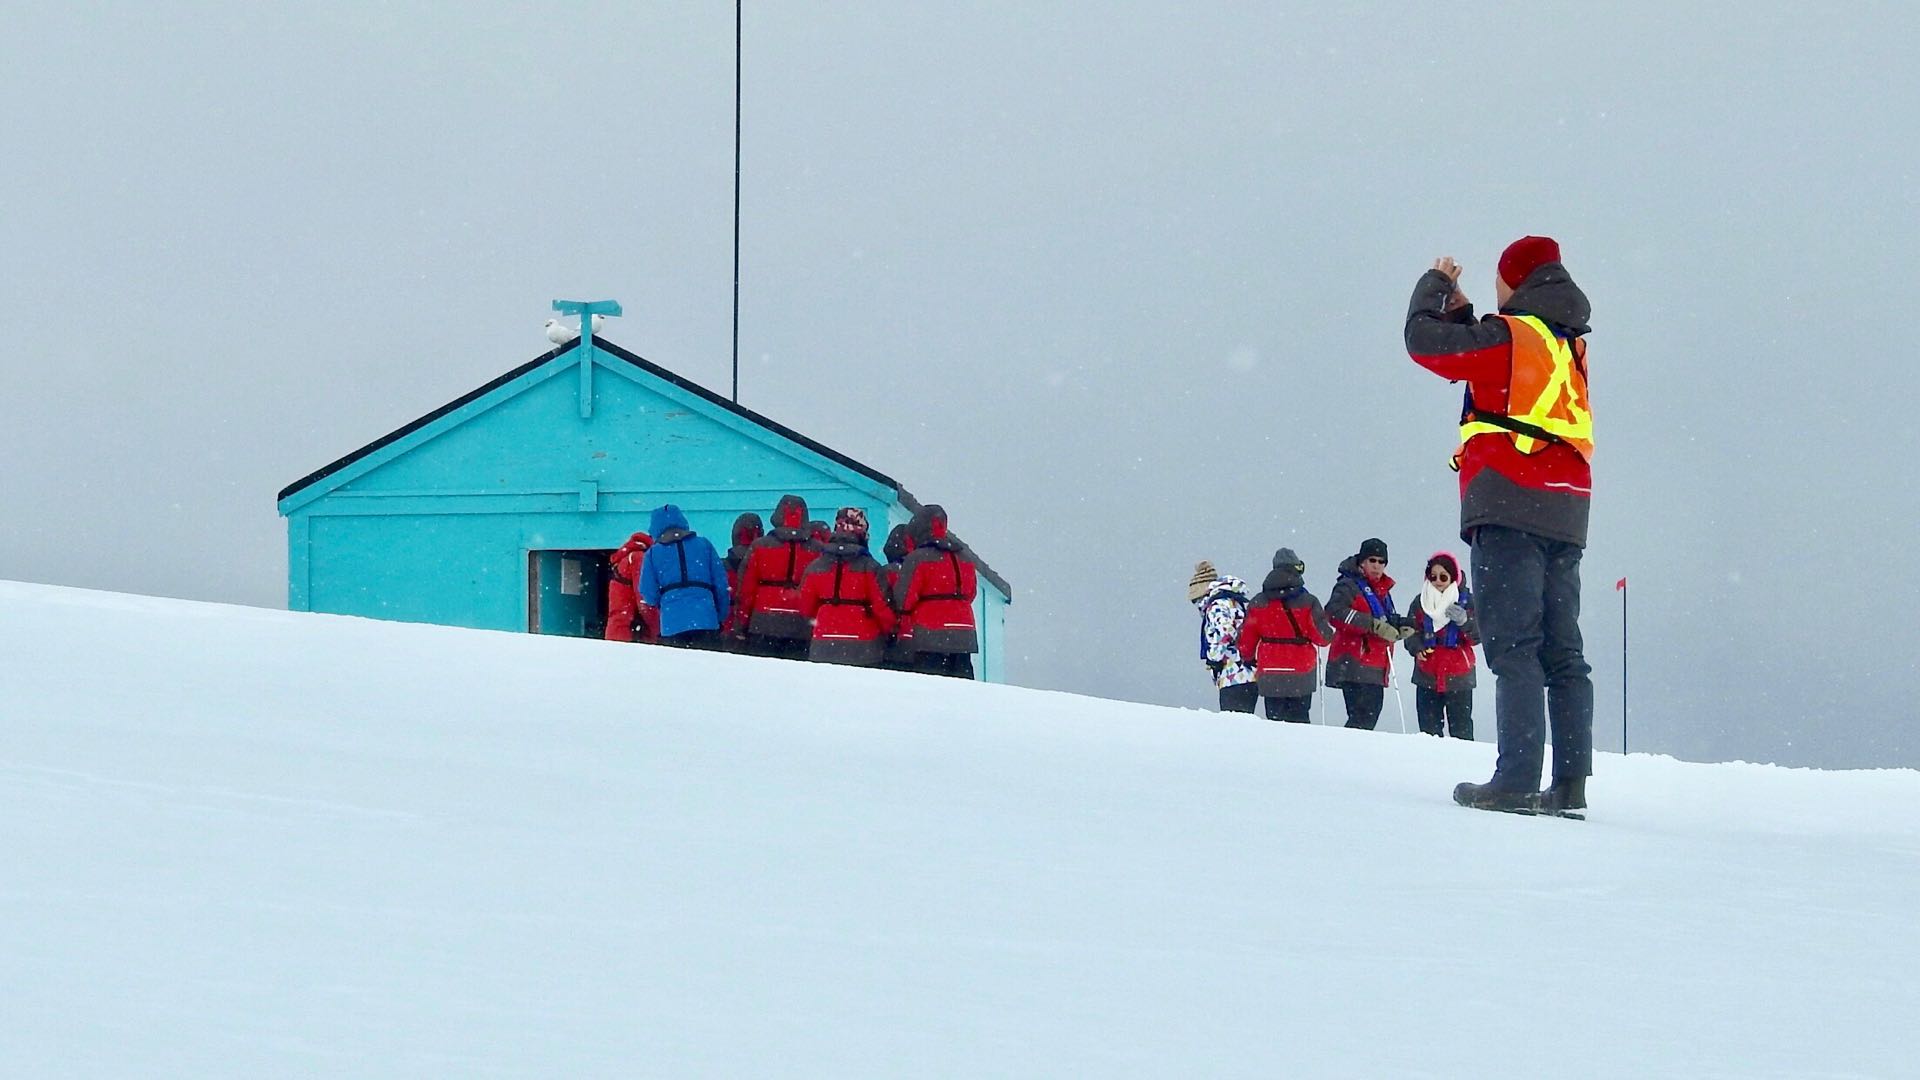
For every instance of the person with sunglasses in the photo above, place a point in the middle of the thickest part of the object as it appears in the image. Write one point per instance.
(1365, 630)
(1444, 633)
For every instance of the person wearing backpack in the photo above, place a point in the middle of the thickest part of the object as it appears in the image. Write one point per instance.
(1282, 637)
(770, 585)
(937, 588)
(1222, 600)
(684, 577)
(1365, 630)
(1444, 633)
(842, 594)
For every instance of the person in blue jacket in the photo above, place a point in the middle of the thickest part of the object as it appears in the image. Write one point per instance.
(684, 578)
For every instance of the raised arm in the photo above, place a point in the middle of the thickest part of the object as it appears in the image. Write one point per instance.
(1450, 343)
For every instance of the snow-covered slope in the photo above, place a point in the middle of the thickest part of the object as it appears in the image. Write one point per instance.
(249, 843)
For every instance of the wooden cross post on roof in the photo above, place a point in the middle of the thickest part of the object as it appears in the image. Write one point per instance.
(587, 309)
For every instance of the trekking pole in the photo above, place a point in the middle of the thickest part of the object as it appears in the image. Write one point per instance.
(1398, 704)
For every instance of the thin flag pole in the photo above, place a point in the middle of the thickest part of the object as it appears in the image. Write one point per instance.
(736, 200)
(1621, 587)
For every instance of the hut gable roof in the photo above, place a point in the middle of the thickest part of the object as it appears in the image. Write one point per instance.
(481, 399)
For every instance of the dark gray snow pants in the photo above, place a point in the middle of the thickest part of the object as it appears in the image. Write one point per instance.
(1527, 589)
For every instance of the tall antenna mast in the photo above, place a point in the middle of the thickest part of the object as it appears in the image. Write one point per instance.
(736, 201)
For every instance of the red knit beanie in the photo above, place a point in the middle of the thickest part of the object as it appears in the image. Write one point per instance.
(1524, 256)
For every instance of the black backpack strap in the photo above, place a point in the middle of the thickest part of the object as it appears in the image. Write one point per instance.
(686, 579)
(953, 560)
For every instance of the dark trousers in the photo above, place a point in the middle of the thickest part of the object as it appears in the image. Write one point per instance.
(1440, 711)
(1293, 710)
(705, 640)
(954, 665)
(779, 648)
(1527, 589)
(1240, 698)
(1363, 705)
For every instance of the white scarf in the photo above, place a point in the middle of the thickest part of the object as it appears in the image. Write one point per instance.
(1436, 601)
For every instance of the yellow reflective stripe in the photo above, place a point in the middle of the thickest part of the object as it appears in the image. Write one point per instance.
(1559, 384)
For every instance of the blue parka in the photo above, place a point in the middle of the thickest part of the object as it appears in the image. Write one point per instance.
(683, 576)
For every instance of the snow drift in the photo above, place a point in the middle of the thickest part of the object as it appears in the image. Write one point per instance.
(239, 842)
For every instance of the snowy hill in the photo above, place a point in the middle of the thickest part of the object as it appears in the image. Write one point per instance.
(251, 843)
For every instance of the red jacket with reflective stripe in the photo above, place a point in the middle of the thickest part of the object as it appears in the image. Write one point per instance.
(841, 593)
(1548, 493)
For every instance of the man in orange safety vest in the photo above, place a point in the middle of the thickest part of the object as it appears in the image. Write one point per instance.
(1526, 485)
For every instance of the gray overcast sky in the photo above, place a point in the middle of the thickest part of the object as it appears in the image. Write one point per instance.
(1120, 284)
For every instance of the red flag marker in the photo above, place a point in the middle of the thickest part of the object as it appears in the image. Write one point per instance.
(1621, 588)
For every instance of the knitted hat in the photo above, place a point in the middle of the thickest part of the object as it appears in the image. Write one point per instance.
(852, 521)
(1285, 559)
(1372, 548)
(1524, 256)
(1203, 576)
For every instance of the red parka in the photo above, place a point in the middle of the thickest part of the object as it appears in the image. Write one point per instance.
(769, 597)
(842, 594)
(1444, 660)
(1283, 634)
(627, 618)
(937, 587)
(1359, 657)
(747, 528)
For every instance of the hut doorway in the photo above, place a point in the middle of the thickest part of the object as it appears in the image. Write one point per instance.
(567, 592)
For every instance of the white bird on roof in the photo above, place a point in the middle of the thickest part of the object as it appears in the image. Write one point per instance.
(560, 333)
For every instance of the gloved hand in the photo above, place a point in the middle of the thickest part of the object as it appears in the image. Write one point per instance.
(1456, 615)
(1408, 630)
(1386, 630)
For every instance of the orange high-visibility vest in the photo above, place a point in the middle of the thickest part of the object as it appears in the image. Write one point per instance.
(1546, 394)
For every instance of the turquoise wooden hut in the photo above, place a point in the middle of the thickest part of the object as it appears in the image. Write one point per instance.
(498, 509)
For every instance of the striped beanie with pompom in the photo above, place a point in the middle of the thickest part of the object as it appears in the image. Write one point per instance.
(1204, 576)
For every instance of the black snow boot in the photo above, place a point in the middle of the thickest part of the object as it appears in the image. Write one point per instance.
(1565, 795)
(1488, 797)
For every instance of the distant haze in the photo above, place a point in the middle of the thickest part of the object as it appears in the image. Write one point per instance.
(1121, 286)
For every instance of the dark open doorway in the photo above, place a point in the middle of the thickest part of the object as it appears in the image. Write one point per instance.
(567, 592)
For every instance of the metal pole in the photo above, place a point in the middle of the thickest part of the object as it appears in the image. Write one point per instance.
(1623, 665)
(736, 200)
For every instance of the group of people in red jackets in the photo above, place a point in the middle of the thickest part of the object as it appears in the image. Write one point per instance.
(1267, 644)
(803, 590)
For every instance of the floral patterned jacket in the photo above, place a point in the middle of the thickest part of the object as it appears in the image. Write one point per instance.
(1222, 611)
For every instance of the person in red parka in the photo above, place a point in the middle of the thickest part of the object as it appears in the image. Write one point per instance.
(746, 529)
(1282, 637)
(937, 587)
(1444, 632)
(627, 618)
(900, 643)
(1365, 630)
(769, 597)
(842, 594)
